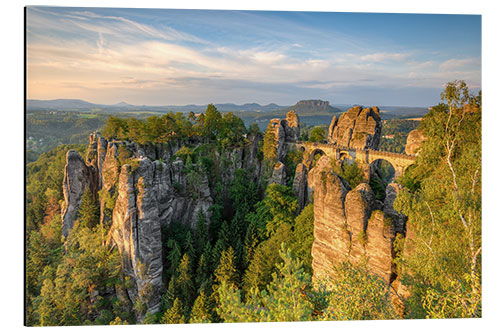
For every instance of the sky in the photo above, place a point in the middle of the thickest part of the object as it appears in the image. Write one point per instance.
(178, 57)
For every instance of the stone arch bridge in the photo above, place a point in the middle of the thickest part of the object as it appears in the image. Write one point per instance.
(364, 157)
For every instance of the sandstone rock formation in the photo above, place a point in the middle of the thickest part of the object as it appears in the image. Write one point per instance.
(414, 142)
(142, 188)
(279, 137)
(279, 174)
(285, 130)
(300, 186)
(348, 224)
(291, 126)
(136, 231)
(357, 128)
(77, 178)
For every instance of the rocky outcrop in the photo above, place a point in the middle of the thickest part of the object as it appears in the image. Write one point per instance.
(357, 128)
(279, 174)
(359, 204)
(285, 130)
(291, 126)
(414, 142)
(142, 188)
(349, 225)
(331, 237)
(279, 137)
(136, 231)
(77, 178)
(300, 186)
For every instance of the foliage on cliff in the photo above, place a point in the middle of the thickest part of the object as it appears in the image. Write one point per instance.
(443, 203)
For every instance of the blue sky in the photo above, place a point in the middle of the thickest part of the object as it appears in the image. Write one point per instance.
(159, 57)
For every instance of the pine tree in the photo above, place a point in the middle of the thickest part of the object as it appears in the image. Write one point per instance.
(88, 210)
(190, 250)
(184, 281)
(200, 312)
(226, 234)
(283, 301)
(226, 272)
(200, 233)
(174, 315)
(173, 257)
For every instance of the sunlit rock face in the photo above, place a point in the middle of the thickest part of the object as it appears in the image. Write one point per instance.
(356, 128)
(349, 224)
(414, 142)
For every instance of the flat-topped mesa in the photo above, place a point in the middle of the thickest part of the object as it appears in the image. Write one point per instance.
(314, 102)
(356, 128)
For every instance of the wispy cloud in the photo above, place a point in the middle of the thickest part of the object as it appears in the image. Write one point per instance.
(382, 57)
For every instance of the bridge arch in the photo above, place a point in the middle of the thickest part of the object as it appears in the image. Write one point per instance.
(384, 170)
(314, 156)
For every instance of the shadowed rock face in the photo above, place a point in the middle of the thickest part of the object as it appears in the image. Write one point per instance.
(348, 225)
(300, 186)
(356, 128)
(414, 142)
(279, 137)
(77, 178)
(279, 174)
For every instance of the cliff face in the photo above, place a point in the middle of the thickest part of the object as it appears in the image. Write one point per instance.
(349, 225)
(356, 128)
(141, 188)
(77, 178)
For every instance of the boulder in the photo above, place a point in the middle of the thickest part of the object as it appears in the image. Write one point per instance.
(414, 142)
(356, 128)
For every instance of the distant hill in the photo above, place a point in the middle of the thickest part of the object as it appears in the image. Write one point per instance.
(82, 106)
(72, 104)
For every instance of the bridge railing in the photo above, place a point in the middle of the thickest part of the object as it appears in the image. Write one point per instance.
(370, 151)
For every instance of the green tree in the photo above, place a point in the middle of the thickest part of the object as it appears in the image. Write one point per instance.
(200, 312)
(442, 257)
(282, 205)
(284, 299)
(88, 210)
(353, 293)
(303, 237)
(317, 134)
(351, 172)
(265, 258)
(212, 122)
(269, 145)
(174, 315)
(184, 281)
